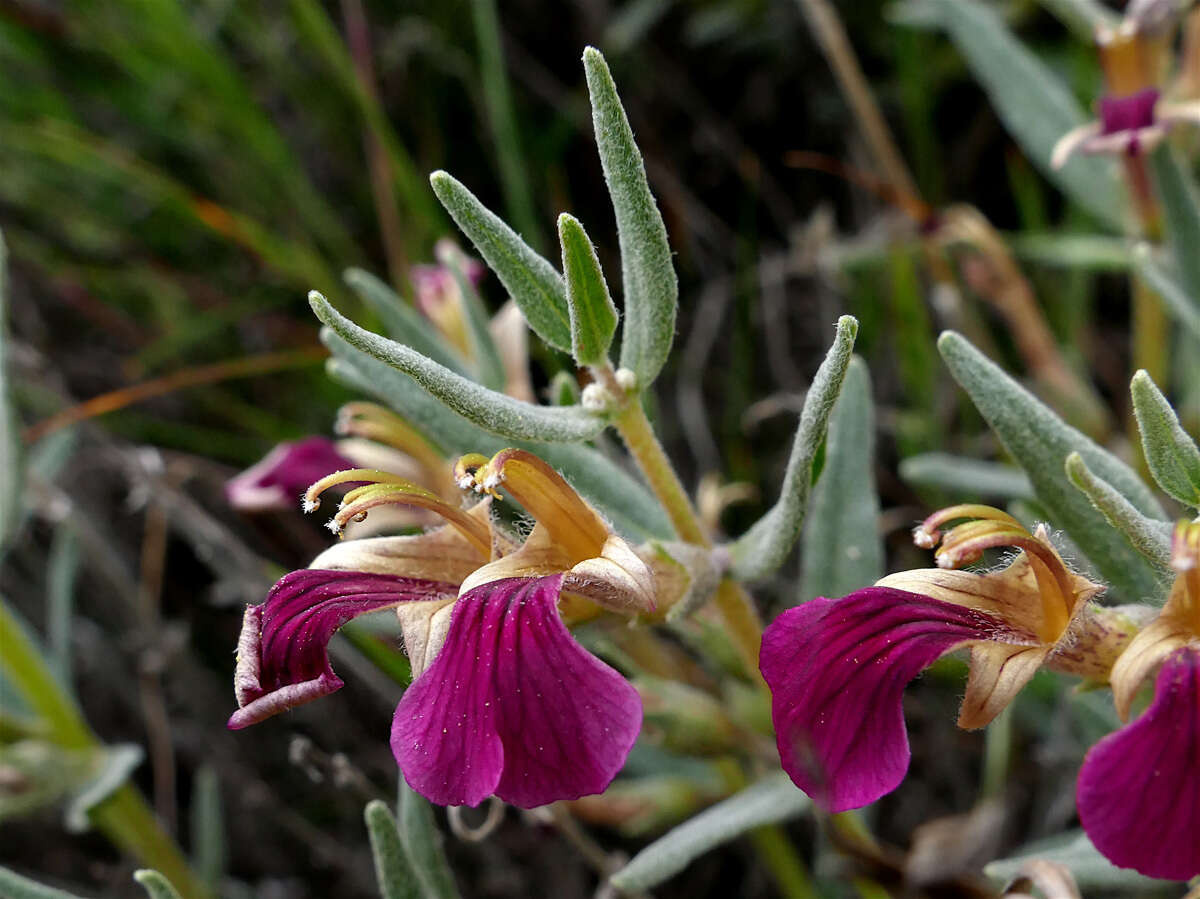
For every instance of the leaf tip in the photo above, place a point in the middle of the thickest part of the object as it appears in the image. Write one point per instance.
(848, 325)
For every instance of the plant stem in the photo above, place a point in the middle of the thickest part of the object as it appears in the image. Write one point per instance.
(732, 601)
(124, 817)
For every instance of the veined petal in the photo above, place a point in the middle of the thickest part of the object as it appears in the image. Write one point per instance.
(1172, 629)
(837, 670)
(282, 656)
(277, 481)
(512, 705)
(1139, 789)
(998, 672)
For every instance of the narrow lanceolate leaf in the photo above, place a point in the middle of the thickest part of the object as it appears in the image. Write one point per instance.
(14, 886)
(155, 884)
(841, 548)
(618, 495)
(773, 799)
(488, 369)
(1171, 454)
(10, 461)
(209, 846)
(1149, 536)
(401, 320)
(593, 315)
(1035, 105)
(1168, 284)
(393, 869)
(1181, 209)
(533, 283)
(763, 548)
(648, 280)
(1039, 441)
(966, 478)
(423, 843)
(1091, 870)
(492, 411)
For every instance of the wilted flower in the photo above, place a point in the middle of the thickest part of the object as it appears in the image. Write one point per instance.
(1132, 115)
(504, 701)
(837, 668)
(1139, 788)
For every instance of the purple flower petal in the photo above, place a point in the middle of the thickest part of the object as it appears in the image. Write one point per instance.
(282, 656)
(837, 670)
(512, 705)
(277, 481)
(1139, 788)
(1118, 114)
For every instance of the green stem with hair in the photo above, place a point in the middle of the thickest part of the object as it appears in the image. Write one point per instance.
(124, 816)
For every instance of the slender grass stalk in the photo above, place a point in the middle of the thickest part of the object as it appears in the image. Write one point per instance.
(124, 817)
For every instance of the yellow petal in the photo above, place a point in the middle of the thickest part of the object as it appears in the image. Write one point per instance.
(998, 672)
(617, 579)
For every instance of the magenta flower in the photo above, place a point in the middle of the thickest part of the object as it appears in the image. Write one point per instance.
(1138, 793)
(504, 700)
(284, 473)
(837, 669)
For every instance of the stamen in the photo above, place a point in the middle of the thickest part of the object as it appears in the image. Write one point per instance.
(927, 534)
(345, 476)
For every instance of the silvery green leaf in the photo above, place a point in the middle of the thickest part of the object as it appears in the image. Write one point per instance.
(617, 494)
(1167, 283)
(773, 799)
(841, 549)
(1034, 104)
(423, 843)
(1171, 454)
(10, 443)
(533, 283)
(1039, 441)
(209, 846)
(593, 315)
(489, 370)
(966, 477)
(1181, 210)
(401, 320)
(563, 389)
(1091, 870)
(1150, 537)
(649, 285)
(155, 884)
(492, 411)
(117, 763)
(14, 886)
(763, 548)
(394, 870)
(1090, 252)
(41, 774)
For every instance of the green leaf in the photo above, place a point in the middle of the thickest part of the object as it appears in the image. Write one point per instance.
(1150, 537)
(593, 315)
(10, 442)
(650, 288)
(533, 283)
(1091, 870)
(1176, 190)
(155, 884)
(1171, 454)
(495, 412)
(841, 549)
(966, 478)
(626, 501)
(1039, 441)
(423, 843)
(773, 799)
(401, 320)
(763, 548)
(393, 869)
(1034, 104)
(117, 764)
(209, 846)
(14, 886)
(1166, 282)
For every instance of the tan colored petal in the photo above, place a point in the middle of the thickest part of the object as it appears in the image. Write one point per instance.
(424, 626)
(443, 554)
(369, 454)
(618, 579)
(998, 672)
(1143, 657)
(389, 520)
(1073, 141)
(1096, 639)
(539, 556)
